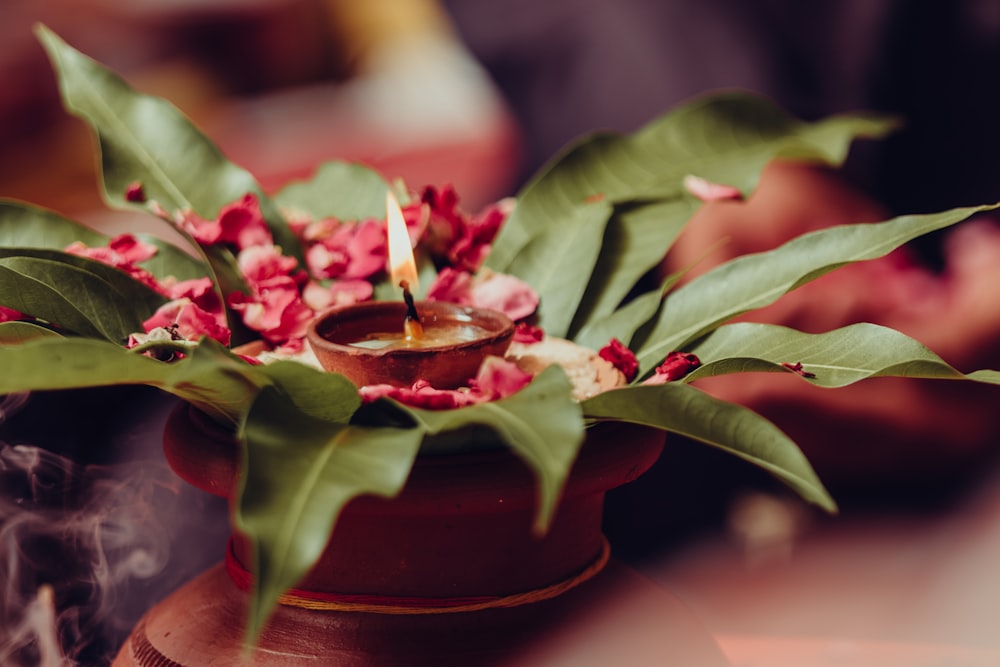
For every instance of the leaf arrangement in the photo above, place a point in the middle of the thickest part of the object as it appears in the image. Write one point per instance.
(584, 233)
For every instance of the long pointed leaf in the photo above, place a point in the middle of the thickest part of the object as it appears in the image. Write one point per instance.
(146, 139)
(755, 281)
(27, 226)
(209, 378)
(682, 409)
(835, 358)
(724, 138)
(72, 298)
(299, 473)
(136, 296)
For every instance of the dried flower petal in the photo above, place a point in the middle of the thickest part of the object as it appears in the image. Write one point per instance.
(675, 366)
(134, 193)
(10, 315)
(621, 358)
(528, 333)
(798, 369)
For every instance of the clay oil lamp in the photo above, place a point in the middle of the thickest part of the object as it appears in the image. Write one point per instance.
(400, 342)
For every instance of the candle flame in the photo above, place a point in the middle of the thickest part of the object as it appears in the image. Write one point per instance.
(402, 266)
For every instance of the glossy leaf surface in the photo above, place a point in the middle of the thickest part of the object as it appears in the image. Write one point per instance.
(755, 281)
(835, 358)
(340, 190)
(682, 409)
(145, 139)
(298, 474)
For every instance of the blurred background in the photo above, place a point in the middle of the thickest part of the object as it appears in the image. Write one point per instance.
(480, 94)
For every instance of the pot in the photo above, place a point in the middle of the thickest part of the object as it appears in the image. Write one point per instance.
(459, 531)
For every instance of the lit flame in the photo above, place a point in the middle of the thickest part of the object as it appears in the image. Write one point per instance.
(401, 264)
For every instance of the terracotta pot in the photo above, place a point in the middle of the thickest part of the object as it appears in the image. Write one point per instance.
(461, 527)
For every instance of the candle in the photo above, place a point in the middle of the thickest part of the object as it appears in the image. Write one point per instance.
(402, 267)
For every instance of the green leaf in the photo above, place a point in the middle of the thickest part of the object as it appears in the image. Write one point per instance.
(136, 296)
(72, 298)
(687, 411)
(836, 358)
(541, 424)
(339, 190)
(12, 333)
(170, 260)
(299, 473)
(755, 281)
(327, 396)
(621, 324)
(556, 264)
(146, 139)
(725, 138)
(27, 226)
(729, 137)
(634, 243)
(209, 377)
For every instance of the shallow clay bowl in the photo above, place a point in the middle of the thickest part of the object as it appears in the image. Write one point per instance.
(446, 365)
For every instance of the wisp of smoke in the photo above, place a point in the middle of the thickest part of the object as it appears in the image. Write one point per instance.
(78, 545)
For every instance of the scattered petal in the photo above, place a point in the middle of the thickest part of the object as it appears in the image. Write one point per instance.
(338, 293)
(188, 321)
(528, 333)
(798, 369)
(675, 366)
(498, 378)
(487, 289)
(621, 357)
(10, 315)
(134, 193)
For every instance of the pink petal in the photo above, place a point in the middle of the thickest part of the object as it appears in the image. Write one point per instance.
(132, 250)
(338, 293)
(494, 291)
(190, 321)
(420, 395)
(242, 224)
(498, 378)
(263, 262)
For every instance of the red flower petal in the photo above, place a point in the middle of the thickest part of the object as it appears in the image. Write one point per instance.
(675, 366)
(621, 357)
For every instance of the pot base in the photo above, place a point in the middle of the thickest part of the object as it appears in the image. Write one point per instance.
(619, 617)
